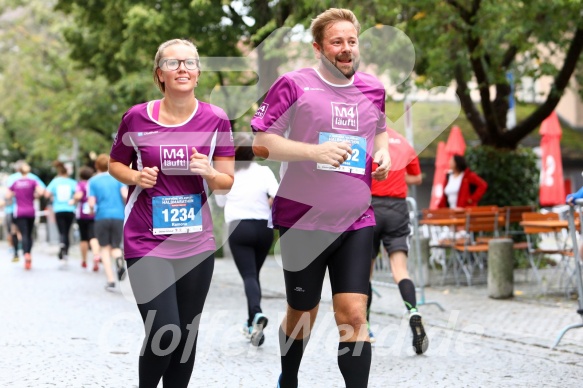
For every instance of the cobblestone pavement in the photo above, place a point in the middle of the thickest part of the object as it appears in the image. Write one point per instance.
(60, 328)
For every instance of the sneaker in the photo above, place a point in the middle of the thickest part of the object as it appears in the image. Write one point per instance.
(246, 330)
(370, 334)
(27, 261)
(15, 259)
(420, 340)
(121, 270)
(110, 286)
(61, 253)
(96, 264)
(83, 264)
(259, 323)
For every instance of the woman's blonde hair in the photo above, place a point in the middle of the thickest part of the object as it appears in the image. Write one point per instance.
(160, 53)
(332, 15)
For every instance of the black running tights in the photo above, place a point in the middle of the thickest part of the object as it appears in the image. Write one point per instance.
(250, 241)
(64, 222)
(170, 294)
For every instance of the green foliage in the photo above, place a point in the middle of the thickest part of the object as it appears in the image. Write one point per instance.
(512, 176)
(47, 101)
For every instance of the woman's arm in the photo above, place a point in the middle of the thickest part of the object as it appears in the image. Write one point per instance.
(146, 179)
(219, 176)
(480, 185)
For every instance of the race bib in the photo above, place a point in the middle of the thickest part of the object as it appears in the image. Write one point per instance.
(176, 214)
(64, 193)
(356, 163)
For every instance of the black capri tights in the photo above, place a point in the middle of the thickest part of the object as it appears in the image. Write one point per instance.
(170, 294)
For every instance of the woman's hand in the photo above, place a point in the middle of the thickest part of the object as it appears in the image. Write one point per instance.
(200, 165)
(146, 179)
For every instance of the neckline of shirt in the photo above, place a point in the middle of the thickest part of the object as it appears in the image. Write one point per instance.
(149, 113)
(333, 84)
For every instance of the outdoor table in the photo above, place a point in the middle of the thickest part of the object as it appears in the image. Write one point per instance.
(453, 222)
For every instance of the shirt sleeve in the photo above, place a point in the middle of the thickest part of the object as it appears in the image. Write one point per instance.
(414, 168)
(274, 114)
(119, 150)
(271, 182)
(382, 121)
(89, 191)
(225, 143)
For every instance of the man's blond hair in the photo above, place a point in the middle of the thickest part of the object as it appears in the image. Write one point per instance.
(332, 15)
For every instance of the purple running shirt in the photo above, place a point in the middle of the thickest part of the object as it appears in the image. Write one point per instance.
(83, 212)
(304, 107)
(171, 220)
(24, 189)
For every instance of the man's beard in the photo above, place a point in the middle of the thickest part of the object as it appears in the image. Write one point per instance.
(336, 71)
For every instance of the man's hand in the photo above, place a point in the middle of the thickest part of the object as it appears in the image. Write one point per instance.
(332, 153)
(383, 159)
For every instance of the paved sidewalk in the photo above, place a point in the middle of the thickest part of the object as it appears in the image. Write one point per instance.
(60, 328)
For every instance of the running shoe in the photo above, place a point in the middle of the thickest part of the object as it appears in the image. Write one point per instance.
(15, 259)
(420, 340)
(370, 334)
(110, 286)
(61, 253)
(246, 330)
(96, 264)
(121, 270)
(259, 323)
(84, 264)
(27, 261)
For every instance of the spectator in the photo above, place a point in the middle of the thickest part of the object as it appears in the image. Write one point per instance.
(463, 187)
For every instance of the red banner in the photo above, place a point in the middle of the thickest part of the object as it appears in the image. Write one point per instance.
(552, 187)
(441, 167)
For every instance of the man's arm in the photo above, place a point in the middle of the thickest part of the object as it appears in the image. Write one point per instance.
(381, 156)
(413, 179)
(275, 147)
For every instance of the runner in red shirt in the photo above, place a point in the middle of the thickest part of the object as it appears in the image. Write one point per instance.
(392, 227)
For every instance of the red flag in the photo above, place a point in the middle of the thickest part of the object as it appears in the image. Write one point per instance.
(552, 187)
(441, 167)
(456, 144)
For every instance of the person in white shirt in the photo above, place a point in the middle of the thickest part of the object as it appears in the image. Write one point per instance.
(248, 214)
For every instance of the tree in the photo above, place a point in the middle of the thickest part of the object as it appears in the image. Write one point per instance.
(481, 41)
(121, 48)
(47, 102)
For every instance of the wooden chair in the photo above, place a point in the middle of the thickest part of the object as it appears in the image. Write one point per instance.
(442, 235)
(481, 226)
(513, 215)
(533, 234)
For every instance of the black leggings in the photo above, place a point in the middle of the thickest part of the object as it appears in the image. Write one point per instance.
(64, 222)
(170, 294)
(25, 225)
(250, 241)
